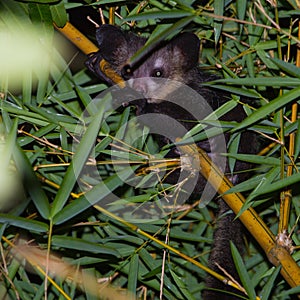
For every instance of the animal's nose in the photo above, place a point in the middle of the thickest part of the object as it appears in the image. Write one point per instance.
(140, 85)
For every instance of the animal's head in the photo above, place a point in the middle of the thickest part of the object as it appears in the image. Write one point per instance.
(175, 60)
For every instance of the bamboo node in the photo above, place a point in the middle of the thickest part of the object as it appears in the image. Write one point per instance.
(284, 240)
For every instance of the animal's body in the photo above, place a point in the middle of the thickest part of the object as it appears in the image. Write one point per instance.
(177, 60)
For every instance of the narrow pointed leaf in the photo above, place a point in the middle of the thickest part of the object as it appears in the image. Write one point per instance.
(269, 286)
(240, 266)
(27, 224)
(95, 195)
(133, 273)
(59, 14)
(82, 152)
(80, 244)
(269, 108)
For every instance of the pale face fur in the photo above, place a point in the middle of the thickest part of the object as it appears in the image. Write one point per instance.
(147, 78)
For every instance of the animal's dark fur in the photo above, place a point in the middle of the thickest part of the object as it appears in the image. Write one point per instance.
(178, 60)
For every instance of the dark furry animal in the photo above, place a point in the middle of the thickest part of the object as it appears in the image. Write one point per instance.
(177, 60)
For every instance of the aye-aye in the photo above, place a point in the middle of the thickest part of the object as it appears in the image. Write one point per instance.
(177, 60)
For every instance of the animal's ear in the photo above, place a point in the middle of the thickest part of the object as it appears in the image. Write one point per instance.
(186, 47)
(113, 48)
(112, 42)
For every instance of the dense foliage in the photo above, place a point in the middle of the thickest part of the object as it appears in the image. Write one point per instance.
(52, 174)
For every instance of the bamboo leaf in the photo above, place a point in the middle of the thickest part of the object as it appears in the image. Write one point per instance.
(80, 244)
(133, 273)
(32, 184)
(240, 266)
(250, 93)
(287, 67)
(181, 286)
(59, 14)
(20, 222)
(218, 22)
(262, 81)
(95, 195)
(260, 160)
(172, 14)
(156, 268)
(27, 87)
(241, 10)
(269, 108)
(278, 185)
(41, 1)
(78, 162)
(169, 32)
(270, 284)
(41, 15)
(29, 179)
(14, 12)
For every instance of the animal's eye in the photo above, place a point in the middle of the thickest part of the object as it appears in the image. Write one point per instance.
(126, 72)
(157, 73)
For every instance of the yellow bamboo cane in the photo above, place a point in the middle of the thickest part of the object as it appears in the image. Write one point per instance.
(87, 47)
(77, 38)
(276, 253)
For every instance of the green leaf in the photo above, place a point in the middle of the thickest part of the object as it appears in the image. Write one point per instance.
(170, 14)
(30, 225)
(292, 291)
(241, 6)
(96, 194)
(32, 184)
(250, 93)
(262, 81)
(269, 108)
(288, 68)
(30, 181)
(9, 141)
(82, 153)
(297, 143)
(52, 117)
(59, 14)
(233, 149)
(82, 245)
(133, 273)
(256, 159)
(259, 188)
(269, 286)
(27, 87)
(156, 269)
(181, 285)
(271, 44)
(13, 12)
(218, 22)
(265, 57)
(40, 1)
(247, 185)
(40, 15)
(85, 98)
(67, 107)
(240, 266)
(278, 185)
(167, 33)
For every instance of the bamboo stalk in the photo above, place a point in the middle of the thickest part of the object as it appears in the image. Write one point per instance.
(286, 195)
(87, 47)
(276, 253)
(77, 38)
